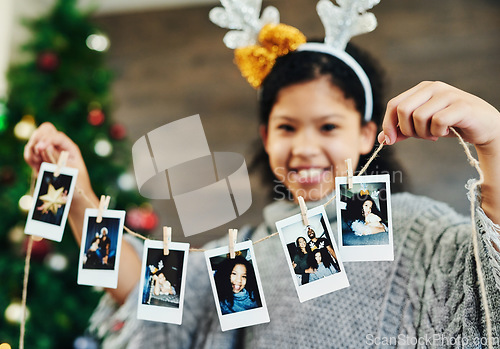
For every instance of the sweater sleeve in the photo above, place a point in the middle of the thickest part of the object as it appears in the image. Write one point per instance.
(118, 326)
(447, 301)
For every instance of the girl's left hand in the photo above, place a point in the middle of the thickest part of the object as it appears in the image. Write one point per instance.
(430, 108)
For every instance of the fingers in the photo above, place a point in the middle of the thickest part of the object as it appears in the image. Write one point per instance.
(425, 111)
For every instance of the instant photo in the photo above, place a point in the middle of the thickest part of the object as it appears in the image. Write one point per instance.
(364, 219)
(100, 248)
(312, 254)
(51, 202)
(237, 288)
(163, 279)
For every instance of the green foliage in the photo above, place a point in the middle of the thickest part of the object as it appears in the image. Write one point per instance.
(61, 83)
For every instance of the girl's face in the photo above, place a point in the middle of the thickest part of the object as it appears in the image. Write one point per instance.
(302, 243)
(312, 130)
(238, 278)
(317, 256)
(367, 207)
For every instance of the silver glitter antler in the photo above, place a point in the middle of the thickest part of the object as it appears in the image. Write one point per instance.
(242, 16)
(346, 20)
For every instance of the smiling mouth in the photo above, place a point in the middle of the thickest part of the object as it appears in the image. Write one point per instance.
(236, 288)
(309, 176)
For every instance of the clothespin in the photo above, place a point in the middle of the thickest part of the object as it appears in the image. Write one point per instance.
(348, 163)
(103, 206)
(232, 241)
(167, 239)
(61, 162)
(303, 211)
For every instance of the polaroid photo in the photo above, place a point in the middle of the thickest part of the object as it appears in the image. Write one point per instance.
(100, 248)
(364, 219)
(313, 256)
(238, 293)
(163, 282)
(51, 202)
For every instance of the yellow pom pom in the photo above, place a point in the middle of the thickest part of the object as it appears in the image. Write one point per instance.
(254, 62)
(281, 38)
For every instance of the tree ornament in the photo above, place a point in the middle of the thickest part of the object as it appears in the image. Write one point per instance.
(25, 128)
(96, 117)
(47, 61)
(142, 218)
(117, 131)
(53, 200)
(40, 249)
(3, 117)
(7, 175)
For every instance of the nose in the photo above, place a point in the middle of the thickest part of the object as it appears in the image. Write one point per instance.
(306, 143)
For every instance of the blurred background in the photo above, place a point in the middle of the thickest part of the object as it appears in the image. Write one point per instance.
(107, 72)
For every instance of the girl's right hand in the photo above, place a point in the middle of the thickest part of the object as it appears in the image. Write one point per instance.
(46, 145)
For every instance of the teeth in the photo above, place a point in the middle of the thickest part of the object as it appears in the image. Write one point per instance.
(310, 173)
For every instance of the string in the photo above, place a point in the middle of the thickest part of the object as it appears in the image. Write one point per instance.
(25, 291)
(472, 193)
(472, 190)
(365, 167)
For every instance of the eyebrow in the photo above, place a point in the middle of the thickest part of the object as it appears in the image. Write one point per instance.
(321, 118)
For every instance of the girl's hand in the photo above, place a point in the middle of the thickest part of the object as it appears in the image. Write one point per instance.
(430, 108)
(47, 143)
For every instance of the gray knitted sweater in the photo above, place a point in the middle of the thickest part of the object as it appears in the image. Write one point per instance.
(427, 297)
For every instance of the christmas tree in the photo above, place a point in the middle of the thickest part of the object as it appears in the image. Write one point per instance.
(66, 83)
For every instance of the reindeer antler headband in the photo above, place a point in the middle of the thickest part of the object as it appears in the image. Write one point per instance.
(258, 41)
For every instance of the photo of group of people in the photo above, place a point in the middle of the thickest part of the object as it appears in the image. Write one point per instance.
(313, 255)
(100, 248)
(51, 201)
(364, 224)
(236, 286)
(313, 259)
(163, 282)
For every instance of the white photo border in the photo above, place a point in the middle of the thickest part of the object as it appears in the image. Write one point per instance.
(322, 286)
(159, 313)
(43, 229)
(244, 318)
(369, 252)
(93, 277)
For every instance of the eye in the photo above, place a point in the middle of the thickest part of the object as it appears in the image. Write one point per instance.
(286, 127)
(328, 127)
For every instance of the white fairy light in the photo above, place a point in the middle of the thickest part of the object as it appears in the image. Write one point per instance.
(103, 148)
(126, 181)
(25, 202)
(97, 42)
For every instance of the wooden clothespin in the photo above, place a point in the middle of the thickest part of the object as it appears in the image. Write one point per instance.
(61, 162)
(167, 239)
(348, 163)
(303, 210)
(103, 206)
(232, 241)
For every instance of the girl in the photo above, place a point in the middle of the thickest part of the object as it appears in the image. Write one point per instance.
(322, 266)
(236, 285)
(311, 107)
(370, 223)
(301, 259)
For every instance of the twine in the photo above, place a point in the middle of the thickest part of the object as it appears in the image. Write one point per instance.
(472, 191)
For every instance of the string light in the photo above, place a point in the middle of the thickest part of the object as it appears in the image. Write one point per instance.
(25, 202)
(13, 313)
(25, 127)
(5, 346)
(126, 181)
(97, 42)
(103, 148)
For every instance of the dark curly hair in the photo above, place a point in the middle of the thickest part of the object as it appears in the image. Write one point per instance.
(223, 280)
(303, 66)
